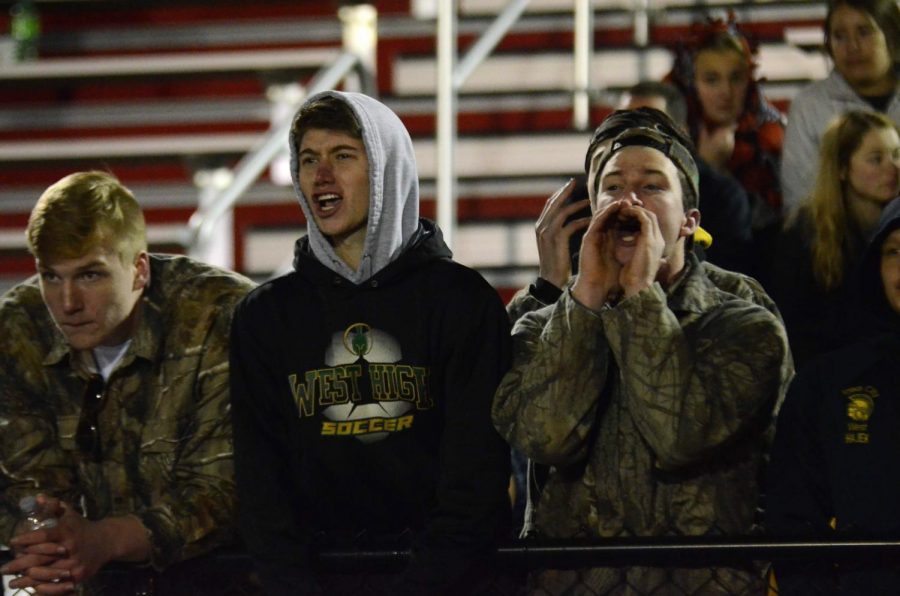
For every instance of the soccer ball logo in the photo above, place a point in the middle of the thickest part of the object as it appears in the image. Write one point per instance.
(358, 339)
(359, 343)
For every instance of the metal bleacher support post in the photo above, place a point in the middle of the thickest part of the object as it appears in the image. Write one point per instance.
(218, 248)
(451, 77)
(584, 49)
(446, 120)
(642, 35)
(209, 229)
(360, 37)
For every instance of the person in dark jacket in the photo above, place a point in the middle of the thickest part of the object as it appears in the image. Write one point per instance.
(835, 464)
(362, 381)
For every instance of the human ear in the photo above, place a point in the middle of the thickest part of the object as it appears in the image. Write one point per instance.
(141, 271)
(690, 223)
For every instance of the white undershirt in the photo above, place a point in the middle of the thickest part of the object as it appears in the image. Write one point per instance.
(107, 357)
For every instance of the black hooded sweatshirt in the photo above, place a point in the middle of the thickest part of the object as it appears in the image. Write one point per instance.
(835, 465)
(362, 411)
(361, 398)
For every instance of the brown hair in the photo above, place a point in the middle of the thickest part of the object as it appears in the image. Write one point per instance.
(725, 40)
(329, 113)
(83, 211)
(886, 15)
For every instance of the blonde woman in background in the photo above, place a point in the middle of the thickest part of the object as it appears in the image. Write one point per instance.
(822, 242)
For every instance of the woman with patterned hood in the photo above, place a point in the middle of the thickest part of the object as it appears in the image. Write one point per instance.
(733, 126)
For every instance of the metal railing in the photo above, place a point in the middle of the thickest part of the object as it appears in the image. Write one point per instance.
(202, 223)
(452, 75)
(218, 200)
(522, 556)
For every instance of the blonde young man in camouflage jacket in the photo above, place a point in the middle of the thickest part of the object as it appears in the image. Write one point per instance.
(648, 386)
(113, 394)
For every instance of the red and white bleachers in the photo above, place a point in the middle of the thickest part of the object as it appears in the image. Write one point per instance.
(157, 91)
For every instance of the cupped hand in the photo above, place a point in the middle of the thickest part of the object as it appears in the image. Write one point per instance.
(716, 145)
(647, 259)
(598, 269)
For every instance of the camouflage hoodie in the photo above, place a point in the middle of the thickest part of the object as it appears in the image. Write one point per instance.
(654, 415)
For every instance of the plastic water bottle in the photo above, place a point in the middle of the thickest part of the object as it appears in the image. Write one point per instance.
(34, 516)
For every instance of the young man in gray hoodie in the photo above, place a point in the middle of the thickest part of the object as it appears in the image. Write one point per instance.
(362, 381)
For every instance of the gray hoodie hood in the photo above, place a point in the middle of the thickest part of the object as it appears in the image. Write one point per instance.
(393, 189)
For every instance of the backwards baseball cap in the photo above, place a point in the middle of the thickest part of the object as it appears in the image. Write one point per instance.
(643, 117)
(668, 145)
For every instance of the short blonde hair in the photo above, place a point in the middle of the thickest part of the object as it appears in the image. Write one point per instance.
(82, 211)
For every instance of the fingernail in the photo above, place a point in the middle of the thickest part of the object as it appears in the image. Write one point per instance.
(60, 550)
(65, 574)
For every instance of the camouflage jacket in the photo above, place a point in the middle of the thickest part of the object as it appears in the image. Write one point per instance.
(164, 427)
(523, 302)
(654, 414)
(742, 286)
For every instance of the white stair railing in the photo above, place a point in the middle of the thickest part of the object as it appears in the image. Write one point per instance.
(209, 235)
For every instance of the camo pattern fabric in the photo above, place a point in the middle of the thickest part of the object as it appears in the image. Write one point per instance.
(521, 303)
(654, 415)
(738, 284)
(164, 425)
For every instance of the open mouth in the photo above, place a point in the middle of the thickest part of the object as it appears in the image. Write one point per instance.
(328, 202)
(627, 229)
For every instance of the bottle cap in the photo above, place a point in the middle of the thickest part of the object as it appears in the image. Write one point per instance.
(28, 504)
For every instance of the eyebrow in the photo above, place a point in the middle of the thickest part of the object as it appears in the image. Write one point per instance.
(644, 172)
(332, 150)
(87, 266)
